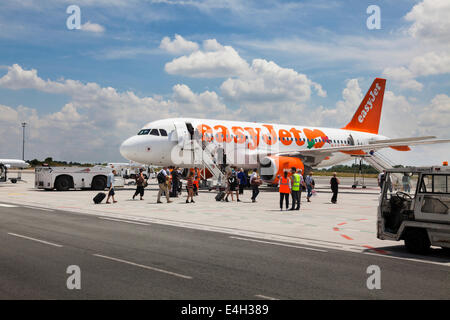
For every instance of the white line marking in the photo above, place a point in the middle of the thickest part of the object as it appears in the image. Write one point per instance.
(265, 297)
(34, 239)
(119, 220)
(143, 266)
(7, 205)
(447, 264)
(38, 208)
(278, 244)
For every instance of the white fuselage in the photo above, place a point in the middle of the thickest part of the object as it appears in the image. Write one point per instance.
(159, 142)
(14, 163)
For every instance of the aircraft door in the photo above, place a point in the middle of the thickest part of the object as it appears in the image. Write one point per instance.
(182, 132)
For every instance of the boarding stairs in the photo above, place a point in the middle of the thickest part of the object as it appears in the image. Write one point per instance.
(379, 161)
(202, 152)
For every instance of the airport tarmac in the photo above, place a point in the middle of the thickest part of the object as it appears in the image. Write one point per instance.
(241, 248)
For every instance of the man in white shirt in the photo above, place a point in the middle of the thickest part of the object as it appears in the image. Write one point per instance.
(254, 182)
(110, 186)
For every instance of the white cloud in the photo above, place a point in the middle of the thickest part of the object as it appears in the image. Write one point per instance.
(266, 81)
(92, 27)
(404, 77)
(95, 121)
(178, 45)
(216, 61)
(430, 63)
(341, 115)
(430, 20)
(435, 118)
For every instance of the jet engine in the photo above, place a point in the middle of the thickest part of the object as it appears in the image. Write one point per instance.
(272, 166)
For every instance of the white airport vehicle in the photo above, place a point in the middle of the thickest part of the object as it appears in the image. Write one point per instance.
(415, 208)
(65, 178)
(272, 148)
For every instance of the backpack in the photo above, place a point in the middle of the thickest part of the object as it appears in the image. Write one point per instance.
(232, 181)
(161, 177)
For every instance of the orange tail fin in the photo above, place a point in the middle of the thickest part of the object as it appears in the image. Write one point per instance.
(367, 117)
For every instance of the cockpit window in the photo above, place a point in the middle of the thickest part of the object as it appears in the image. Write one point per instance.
(143, 131)
(163, 132)
(154, 132)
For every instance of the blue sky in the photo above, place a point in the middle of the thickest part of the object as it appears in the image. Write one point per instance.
(317, 43)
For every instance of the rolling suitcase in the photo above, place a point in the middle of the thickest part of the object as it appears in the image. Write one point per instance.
(220, 196)
(99, 197)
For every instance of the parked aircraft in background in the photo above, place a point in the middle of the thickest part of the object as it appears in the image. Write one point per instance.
(14, 163)
(188, 142)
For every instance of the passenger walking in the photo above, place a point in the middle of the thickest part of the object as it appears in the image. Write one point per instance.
(309, 186)
(231, 186)
(242, 176)
(190, 187)
(284, 187)
(334, 182)
(140, 181)
(381, 179)
(175, 182)
(255, 182)
(163, 182)
(406, 182)
(110, 186)
(297, 181)
(196, 180)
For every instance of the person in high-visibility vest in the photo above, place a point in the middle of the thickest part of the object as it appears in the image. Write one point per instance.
(297, 180)
(284, 186)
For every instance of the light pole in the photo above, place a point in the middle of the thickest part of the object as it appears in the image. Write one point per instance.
(23, 140)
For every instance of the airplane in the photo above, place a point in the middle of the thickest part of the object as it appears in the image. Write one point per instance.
(272, 148)
(14, 163)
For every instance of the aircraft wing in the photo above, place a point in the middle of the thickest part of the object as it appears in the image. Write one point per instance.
(374, 145)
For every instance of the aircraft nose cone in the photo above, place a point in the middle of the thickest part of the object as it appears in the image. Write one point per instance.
(127, 149)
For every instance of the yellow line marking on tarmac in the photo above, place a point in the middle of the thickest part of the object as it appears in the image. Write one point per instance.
(143, 266)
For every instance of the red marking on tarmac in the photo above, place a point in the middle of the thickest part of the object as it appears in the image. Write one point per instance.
(342, 223)
(336, 229)
(361, 219)
(376, 250)
(346, 237)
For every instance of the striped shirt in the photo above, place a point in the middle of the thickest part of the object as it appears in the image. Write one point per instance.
(190, 183)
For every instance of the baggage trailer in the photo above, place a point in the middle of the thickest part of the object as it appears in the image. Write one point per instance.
(65, 178)
(416, 209)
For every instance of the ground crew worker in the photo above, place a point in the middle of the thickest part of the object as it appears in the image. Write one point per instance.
(284, 187)
(295, 190)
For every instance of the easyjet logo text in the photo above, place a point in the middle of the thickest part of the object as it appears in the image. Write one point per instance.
(370, 103)
(252, 136)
